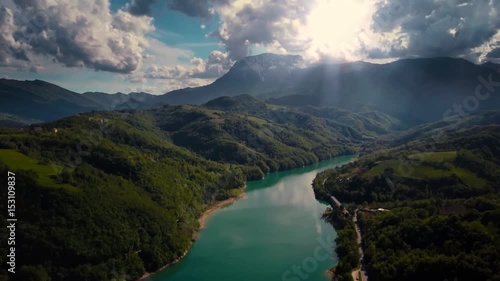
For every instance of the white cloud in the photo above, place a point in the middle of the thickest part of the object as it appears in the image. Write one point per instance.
(215, 66)
(73, 33)
(315, 29)
(163, 54)
(422, 28)
(356, 29)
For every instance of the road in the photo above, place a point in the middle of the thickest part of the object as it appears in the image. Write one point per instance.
(364, 276)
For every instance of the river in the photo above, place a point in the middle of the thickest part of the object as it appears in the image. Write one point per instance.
(274, 233)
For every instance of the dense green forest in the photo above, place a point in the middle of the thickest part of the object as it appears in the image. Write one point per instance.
(346, 243)
(439, 183)
(112, 195)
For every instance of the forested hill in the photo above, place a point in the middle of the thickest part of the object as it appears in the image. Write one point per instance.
(439, 183)
(108, 195)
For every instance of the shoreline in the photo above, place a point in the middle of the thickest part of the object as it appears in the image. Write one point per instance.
(202, 221)
(330, 274)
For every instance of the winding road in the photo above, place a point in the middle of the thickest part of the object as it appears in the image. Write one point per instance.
(362, 270)
(364, 276)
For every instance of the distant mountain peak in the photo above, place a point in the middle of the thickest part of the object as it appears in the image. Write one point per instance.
(272, 56)
(265, 64)
(267, 61)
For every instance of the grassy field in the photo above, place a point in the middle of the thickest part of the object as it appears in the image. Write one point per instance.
(423, 171)
(434, 156)
(382, 166)
(469, 177)
(257, 120)
(420, 171)
(18, 161)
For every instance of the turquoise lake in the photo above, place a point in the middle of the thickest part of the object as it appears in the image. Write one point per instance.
(274, 233)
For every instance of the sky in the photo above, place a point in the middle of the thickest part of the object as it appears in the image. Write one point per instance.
(158, 46)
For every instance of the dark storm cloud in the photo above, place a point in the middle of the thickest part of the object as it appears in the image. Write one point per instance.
(435, 28)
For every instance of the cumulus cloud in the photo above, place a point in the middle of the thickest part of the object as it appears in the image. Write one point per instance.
(287, 27)
(361, 29)
(266, 22)
(215, 66)
(11, 49)
(72, 33)
(434, 28)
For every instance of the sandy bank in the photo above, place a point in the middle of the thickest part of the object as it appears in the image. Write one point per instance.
(202, 222)
(216, 206)
(329, 273)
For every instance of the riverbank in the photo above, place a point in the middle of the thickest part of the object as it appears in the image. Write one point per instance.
(214, 207)
(149, 274)
(330, 274)
(202, 220)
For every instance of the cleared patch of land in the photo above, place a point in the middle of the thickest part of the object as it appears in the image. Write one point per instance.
(423, 170)
(257, 120)
(434, 156)
(18, 161)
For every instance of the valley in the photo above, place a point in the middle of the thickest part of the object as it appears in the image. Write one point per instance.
(147, 175)
(114, 187)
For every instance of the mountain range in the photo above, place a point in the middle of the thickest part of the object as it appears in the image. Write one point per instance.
(415, 91)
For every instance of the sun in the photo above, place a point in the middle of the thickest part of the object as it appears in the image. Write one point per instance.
(333, 26)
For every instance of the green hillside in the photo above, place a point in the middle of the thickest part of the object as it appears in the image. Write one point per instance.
(46, 173)
(443, 205)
